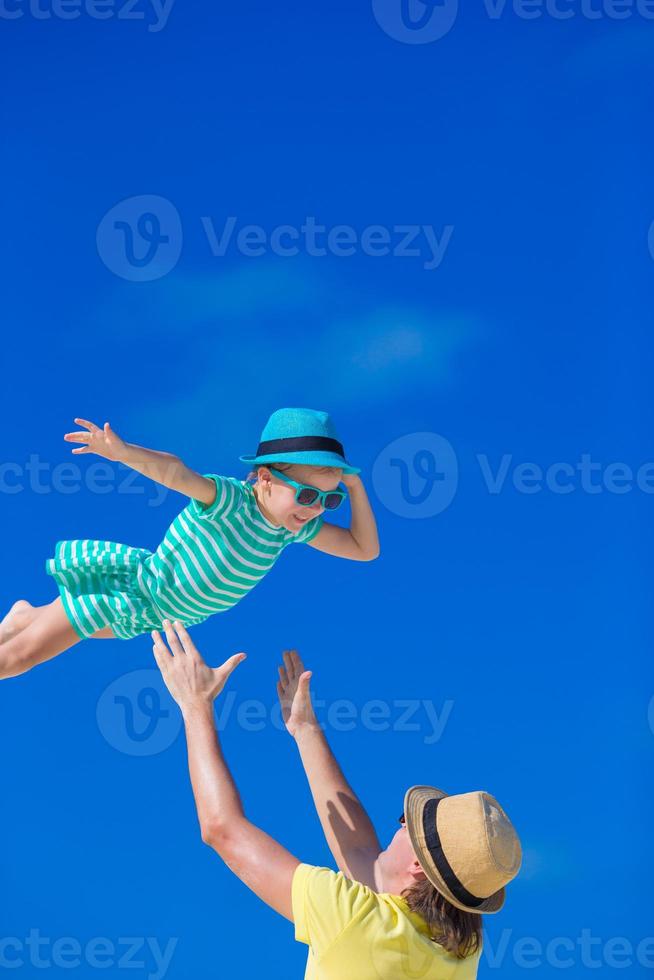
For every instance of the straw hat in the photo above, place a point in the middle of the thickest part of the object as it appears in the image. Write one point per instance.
(466, 845)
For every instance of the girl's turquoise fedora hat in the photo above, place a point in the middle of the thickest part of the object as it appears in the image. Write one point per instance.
(300, 435)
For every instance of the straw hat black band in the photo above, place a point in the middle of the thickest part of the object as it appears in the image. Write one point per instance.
(299, 444)
(435, 848)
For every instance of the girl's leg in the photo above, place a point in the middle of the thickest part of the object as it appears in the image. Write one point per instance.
(22, 614)
(46, 636)
(19, 616)
(106, 633)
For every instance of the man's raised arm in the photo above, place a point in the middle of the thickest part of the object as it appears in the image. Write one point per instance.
(256, 858)
(347, 827)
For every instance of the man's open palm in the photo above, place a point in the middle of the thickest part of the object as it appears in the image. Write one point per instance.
(188, 678)
(294, 693)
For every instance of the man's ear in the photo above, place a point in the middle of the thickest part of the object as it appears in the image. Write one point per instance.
(416, 871)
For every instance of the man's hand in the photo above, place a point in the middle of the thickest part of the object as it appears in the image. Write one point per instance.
(188, 678)
(259, 861)
(347, 827)
(294, 694)
(103, 442)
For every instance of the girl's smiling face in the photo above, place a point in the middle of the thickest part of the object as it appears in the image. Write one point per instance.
(277, 501)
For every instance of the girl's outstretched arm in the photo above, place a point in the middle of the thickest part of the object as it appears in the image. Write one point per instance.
(163, 468)
(360, 541)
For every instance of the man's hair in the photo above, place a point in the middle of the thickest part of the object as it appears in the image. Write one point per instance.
(459, 932)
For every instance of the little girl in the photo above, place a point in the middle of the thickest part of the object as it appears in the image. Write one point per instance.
(223, 543)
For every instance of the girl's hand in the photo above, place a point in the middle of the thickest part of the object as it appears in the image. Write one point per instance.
(350, 479)
(102, 442)
(294, 694)
(188, 678)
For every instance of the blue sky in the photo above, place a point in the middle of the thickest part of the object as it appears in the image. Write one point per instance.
(518, 619)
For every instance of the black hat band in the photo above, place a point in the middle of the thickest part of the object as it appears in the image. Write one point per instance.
(435, 848)
(298, 444)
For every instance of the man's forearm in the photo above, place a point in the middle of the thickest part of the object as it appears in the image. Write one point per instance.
(216, 797)
(256, 858)
(347, 827)
(363, 527)
(260, 862)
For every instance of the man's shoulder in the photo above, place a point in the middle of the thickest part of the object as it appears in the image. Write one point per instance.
(327, 888)
(328, 877)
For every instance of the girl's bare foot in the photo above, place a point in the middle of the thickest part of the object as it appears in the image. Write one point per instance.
(19, 616)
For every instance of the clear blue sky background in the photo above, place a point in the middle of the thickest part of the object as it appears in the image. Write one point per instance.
(527, 613)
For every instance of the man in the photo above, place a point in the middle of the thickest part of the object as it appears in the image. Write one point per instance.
(412, 910)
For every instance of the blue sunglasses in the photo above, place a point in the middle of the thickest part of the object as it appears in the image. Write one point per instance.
(306, 496)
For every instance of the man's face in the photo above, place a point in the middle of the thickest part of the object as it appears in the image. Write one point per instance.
(401, 845)
(399, 858)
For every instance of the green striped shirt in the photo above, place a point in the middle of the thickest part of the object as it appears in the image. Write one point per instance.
(213, 556)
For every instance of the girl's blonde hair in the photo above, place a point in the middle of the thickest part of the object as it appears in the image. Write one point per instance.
(282, 467)
(253, 474)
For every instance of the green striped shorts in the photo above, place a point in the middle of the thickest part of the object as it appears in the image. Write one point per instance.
(101, 584)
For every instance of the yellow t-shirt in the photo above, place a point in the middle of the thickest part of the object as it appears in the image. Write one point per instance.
(355, 934)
